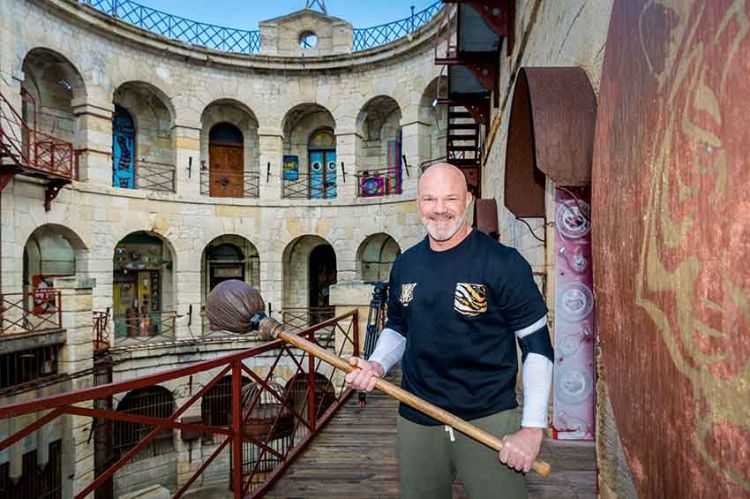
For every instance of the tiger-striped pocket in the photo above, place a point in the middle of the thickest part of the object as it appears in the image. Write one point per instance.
(470, 299)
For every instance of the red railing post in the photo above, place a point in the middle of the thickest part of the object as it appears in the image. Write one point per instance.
(237, 429)
(311, 388)
(58, 302)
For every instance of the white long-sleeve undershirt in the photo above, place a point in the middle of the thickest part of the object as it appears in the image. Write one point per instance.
(536, 374)
(389, 349)
(536, 371)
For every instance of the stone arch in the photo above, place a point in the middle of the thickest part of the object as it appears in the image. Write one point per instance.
(299, 126)
(379, 123)
(153, 401)
(52, 87)
(375, 257)
(229, 256)
(307, 281)
(153, 115)
(435, 117)
(52, 250)
(143, 287)
(239, 115)
(216, 405)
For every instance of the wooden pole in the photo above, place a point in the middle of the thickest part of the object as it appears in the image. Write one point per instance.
(541, 467)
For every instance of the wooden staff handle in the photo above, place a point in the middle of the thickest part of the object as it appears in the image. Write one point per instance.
(468, 429)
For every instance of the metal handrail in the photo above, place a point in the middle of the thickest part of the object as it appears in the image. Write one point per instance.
(247, 184)
(144, 326)
(376, 36)
(33, 149)
(37, 311)
(102, 326)
(244, 41)
(179, 28)
(300, 318)
(278, 422)
(155, 176)
(307, 187)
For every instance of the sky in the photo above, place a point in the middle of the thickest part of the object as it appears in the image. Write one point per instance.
(245, 14)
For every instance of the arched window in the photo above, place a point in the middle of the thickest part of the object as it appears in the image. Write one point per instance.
(152, 401)
(123, 149)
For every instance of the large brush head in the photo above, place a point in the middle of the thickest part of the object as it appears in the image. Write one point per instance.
(234, 306)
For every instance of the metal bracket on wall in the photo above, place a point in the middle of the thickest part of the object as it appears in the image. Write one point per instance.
(52, 190)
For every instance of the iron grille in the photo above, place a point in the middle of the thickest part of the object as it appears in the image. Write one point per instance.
(244, 41)
(155, 176)
(27, 365)
(179, 28)
(155, 402)
(145, 326)
(375, 36)
(308, 187)
(214, 183)
(40, 482)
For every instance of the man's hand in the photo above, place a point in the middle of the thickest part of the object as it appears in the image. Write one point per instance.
(363, 379)
(522, 448)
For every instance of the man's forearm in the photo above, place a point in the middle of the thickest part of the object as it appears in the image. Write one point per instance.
(536, 372)
(537, 382)
(389, 349)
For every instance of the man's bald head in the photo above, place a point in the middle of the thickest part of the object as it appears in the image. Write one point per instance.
(444, 173)
(443, 199)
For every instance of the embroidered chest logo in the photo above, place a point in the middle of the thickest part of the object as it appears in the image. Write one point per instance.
(470, 299)
(407, 293)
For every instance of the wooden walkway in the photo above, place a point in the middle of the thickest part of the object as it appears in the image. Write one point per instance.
(355, 456)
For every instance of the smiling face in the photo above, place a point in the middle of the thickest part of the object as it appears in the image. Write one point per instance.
(442, 200)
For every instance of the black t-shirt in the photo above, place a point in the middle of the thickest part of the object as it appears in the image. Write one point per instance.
(459, 310)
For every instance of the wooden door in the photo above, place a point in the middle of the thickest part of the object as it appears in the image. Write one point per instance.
(226, 171)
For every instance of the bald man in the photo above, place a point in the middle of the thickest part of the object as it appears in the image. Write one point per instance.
(458, 303)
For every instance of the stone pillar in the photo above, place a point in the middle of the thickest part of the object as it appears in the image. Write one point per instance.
(272, 279)
(77, 355)
(271, 144)
(188, 292)
(416, 148)
(348, 152)
(187, 145)
(94, 133)
(11, 250)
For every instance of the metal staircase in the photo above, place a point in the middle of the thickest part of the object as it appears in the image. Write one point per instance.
(463, 146)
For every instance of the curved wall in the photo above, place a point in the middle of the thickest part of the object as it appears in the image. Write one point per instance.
(108, 54)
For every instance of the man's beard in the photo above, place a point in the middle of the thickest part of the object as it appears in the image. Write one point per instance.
(443, 233)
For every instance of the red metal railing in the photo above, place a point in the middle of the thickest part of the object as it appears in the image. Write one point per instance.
(102, 330)
(265, 421)
(37, 311)
(294, 319)
(301, 318)
(33, 149)
(144, 326)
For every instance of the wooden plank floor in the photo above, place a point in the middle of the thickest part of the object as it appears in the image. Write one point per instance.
(344, 460)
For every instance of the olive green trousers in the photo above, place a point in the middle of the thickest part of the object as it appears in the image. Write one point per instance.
(431, 457)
